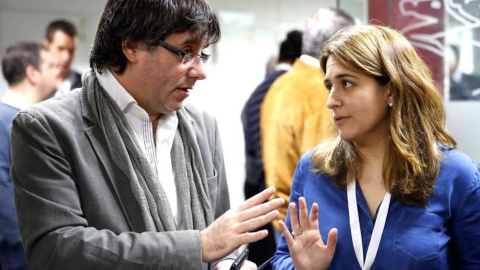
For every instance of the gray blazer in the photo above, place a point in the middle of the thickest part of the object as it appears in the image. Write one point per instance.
(75, 207)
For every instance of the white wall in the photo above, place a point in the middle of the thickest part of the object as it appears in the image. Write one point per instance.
(464, 125)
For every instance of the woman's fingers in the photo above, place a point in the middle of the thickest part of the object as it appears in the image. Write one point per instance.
(308, 250)
(303, 214)
(313, 225)
(332, 242)
(286, 233)
(294, 218)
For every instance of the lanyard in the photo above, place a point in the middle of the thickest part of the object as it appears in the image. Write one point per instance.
(355, 227)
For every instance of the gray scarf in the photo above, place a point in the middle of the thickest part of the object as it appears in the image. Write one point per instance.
(189, 172)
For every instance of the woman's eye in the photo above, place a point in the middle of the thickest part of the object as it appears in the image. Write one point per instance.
(329, 87)
(347, 84)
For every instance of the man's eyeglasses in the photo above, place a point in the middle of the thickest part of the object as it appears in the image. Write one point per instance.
(188, 58)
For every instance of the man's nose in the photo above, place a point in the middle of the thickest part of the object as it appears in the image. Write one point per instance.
(198, 71)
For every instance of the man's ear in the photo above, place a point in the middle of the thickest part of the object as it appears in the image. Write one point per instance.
(46, 43)
(32, 75)
(130, 50)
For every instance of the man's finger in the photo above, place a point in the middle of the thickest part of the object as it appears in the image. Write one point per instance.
(261, 209)
(250, 237)
(257, 199)
(248, 265)
(255, 223)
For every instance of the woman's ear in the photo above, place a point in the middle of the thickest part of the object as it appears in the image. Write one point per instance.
(391, 93)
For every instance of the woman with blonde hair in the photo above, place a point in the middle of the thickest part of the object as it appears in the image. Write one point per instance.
(393, 191)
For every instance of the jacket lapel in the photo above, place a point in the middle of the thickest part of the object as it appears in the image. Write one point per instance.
(120, 183)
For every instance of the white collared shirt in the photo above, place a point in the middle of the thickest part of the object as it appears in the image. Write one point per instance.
(65, 86)
(283, 66)
(15, 100)
(138, 119)
(310, 60)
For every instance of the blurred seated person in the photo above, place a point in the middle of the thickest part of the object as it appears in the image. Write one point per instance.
(463, 86)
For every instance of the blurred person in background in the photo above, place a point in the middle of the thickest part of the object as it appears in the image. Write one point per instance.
(463, 86)
(61, 38)
(293, 116)
(290, 50)
(271, 64)
(31, 73)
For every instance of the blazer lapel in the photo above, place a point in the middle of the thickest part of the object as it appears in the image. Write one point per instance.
(119, 181)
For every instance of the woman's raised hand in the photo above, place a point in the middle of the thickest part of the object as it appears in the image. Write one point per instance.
(305, 242)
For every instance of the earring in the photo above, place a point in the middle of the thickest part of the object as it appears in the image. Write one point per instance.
(390, 104)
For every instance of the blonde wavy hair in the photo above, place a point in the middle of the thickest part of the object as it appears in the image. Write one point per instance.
(416, 121)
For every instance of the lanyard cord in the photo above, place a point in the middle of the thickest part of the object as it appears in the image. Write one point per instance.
(355, 227)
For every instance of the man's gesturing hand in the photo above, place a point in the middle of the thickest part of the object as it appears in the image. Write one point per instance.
(233, 229)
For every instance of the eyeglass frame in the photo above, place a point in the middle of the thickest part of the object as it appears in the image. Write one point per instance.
(195, 57)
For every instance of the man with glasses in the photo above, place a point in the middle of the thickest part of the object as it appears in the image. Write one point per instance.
(120, 174)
